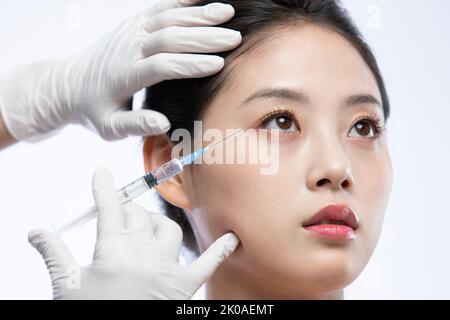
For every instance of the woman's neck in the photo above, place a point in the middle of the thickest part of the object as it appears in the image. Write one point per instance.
(229, 285)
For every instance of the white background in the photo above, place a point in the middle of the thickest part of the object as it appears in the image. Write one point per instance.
(411, 39)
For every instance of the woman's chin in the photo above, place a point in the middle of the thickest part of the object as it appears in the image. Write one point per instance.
(316, 273)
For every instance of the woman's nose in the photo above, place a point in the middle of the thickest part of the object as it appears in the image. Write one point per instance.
(330, 169)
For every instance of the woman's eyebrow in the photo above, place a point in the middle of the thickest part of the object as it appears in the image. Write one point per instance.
(284, 93)
(363, 99)
(299, 97)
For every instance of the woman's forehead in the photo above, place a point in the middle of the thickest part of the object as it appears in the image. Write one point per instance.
(308, 57)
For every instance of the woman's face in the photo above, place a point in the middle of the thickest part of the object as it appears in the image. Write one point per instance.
(329, 153)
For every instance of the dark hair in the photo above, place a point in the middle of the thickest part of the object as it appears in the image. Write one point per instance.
(184, 101)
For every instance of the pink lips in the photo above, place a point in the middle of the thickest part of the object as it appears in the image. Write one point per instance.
(334, 222)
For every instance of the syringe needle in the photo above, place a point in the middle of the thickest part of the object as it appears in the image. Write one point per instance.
(226, 138)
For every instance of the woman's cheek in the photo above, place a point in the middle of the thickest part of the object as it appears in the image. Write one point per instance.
(372, 196)
(239, 199)
(227, 199)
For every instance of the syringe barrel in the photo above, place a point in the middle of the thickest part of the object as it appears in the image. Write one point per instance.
(132, 190)
(126, 194)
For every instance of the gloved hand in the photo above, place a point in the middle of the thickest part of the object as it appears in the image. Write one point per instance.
(136, 254)
(94, 89)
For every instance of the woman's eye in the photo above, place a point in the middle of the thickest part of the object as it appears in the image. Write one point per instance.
(281, 122)
(365, 129)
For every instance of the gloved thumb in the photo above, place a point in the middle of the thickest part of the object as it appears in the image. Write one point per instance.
(138, 123)
(211, 259)
(56, 255)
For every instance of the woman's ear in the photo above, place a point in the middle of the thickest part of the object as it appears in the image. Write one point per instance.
(157, 151)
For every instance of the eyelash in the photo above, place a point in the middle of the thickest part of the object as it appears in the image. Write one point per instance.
(263, 120)
(374, 120)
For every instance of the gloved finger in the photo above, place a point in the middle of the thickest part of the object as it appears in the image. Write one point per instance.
(110, 213)
(138, 123)
(209, 15)
(168, 66)
(194, 40)
(210, 260)
(168, 233)
(162, 5)
(138, 222)
(56, 255)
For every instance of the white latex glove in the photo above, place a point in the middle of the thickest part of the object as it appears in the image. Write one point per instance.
(136, 254)
(94, 89)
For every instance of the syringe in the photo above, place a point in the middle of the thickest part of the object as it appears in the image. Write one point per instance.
(139, 186)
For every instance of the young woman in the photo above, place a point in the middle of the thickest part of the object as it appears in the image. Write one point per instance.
(302, 69)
